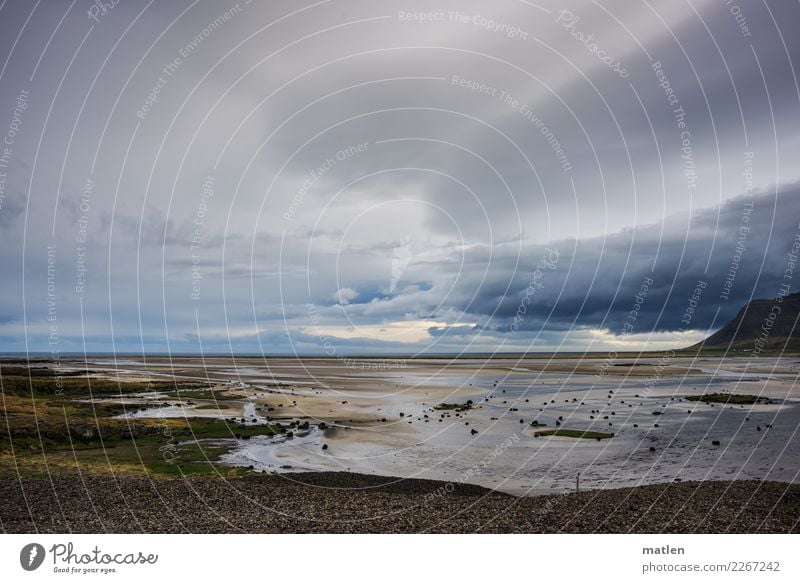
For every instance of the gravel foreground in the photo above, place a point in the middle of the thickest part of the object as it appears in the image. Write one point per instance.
(353, 503)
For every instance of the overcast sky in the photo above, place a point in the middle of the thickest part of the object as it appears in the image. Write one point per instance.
(370, 176)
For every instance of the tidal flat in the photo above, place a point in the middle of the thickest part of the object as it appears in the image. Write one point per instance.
(522, 426)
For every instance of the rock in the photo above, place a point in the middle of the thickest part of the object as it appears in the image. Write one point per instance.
(715, 442)
(652, 449)
(324, 446)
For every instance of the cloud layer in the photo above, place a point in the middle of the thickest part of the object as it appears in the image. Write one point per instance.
(378, 177)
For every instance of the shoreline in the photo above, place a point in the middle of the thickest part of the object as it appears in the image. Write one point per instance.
(340, 502)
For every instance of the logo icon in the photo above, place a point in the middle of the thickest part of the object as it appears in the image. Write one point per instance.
(31, 556)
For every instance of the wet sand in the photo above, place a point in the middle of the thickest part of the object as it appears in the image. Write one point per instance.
(373, 416)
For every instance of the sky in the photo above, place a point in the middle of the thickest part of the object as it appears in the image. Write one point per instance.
(362, 177)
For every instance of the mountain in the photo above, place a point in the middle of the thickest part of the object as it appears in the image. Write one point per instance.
(760, 326)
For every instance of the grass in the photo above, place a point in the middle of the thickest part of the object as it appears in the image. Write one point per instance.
(202, 394)
(51, 432)
(729, 399)
(578, 433)
(209, 406)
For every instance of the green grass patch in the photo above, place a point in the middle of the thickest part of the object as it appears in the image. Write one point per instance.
(208, 407)
(52, 433)
(201, 394)
(728, 399)
(577, 433)
(16, 381)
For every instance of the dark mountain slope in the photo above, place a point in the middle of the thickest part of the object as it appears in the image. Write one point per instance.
(760, 326)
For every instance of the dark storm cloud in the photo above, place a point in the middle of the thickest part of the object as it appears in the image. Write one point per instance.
(372, 170)
(732, 254)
